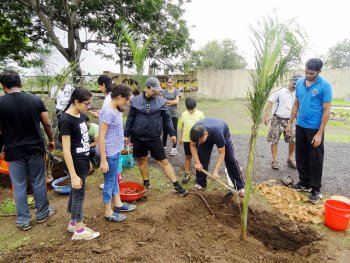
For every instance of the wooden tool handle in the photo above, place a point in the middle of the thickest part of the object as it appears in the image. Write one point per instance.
(219, 181)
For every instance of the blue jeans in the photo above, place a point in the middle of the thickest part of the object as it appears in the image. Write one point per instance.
(30, 168)
(111, 185)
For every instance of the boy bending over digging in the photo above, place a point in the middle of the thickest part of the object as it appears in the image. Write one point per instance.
(204, 134)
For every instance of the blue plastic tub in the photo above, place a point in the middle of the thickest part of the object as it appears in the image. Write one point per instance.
(61, 189)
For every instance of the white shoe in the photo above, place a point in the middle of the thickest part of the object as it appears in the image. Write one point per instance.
(173, 151)
(241, 193)
(165, 148)
(87, 234)
(71, 228)
(102, 186)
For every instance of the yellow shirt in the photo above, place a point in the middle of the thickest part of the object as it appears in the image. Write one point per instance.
(187, 120)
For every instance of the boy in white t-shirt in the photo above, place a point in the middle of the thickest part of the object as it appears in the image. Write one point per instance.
(187, 119)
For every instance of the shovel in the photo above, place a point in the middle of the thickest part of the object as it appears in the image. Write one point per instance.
(228, 196)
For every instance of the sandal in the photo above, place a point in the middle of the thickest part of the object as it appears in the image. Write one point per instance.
(291, 164)
(274, 165)
(116, 217)
(287, 181)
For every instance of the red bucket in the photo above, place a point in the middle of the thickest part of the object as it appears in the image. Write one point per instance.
(336, 214)
(130, 191)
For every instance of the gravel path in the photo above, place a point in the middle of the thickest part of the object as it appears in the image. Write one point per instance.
(336, 167)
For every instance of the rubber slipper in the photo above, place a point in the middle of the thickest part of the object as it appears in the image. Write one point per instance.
(287, 180)
(116, 217)
(274, 165)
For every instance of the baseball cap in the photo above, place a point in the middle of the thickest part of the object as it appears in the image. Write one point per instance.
(295, 78)
(153, 83)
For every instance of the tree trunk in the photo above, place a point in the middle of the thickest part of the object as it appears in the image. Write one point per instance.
(121, 61)
(78, 80)
(248, 184)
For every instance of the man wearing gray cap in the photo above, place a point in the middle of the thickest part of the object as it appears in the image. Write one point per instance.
(144, 124)
(282, 100)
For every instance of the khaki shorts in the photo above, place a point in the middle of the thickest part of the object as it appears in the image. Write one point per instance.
(278, 126)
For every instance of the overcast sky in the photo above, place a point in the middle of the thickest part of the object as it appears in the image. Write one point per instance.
(325, 22)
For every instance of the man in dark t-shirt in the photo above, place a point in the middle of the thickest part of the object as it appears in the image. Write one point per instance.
(20, 118)
(204, 135)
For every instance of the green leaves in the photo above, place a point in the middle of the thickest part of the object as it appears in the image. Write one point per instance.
(338, 57)
(92, 21)
(215, 55)
(278, 47)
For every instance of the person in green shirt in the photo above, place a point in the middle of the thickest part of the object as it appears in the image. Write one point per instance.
(187, 119)
(93, 139)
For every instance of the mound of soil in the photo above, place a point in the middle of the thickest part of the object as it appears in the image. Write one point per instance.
(167, 228)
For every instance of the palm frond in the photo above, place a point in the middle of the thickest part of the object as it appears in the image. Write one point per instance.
(277, 46)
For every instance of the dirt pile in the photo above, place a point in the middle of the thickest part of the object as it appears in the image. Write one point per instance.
(166, 228)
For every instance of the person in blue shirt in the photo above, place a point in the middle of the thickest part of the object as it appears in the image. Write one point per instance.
(312, 107)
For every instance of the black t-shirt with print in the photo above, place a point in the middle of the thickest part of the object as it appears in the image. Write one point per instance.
(20, 117)
(76, 128)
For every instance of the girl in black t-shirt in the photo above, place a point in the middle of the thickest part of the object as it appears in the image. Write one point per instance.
(75, 142)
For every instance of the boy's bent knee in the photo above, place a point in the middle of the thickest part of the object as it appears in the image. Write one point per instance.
(163, 162)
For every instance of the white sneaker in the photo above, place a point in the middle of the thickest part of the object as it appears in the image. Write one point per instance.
(165, 148)
(71, 228)
(173, 151)
(87, 234)
(102, 186)
(241, 192)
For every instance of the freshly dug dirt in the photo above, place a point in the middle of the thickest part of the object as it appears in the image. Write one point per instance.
(168, 228)
(65, 182)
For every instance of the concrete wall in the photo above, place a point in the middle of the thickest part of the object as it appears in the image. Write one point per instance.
(231, 84)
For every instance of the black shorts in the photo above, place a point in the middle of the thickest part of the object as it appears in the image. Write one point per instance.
(187, 148)
(155, 147)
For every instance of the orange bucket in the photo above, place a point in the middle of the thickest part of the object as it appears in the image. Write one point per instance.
(336, 214)
(4, 168)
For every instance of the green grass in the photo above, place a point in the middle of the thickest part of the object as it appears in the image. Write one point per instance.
(341, 111)
(235, 113)
(340, 102)
(13, 240)
(19, 242)
(8, 207)
(96, 177)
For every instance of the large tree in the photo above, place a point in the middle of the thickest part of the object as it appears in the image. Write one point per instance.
(71, 26)
(17, 35)
(338, 57)
(215, 55)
